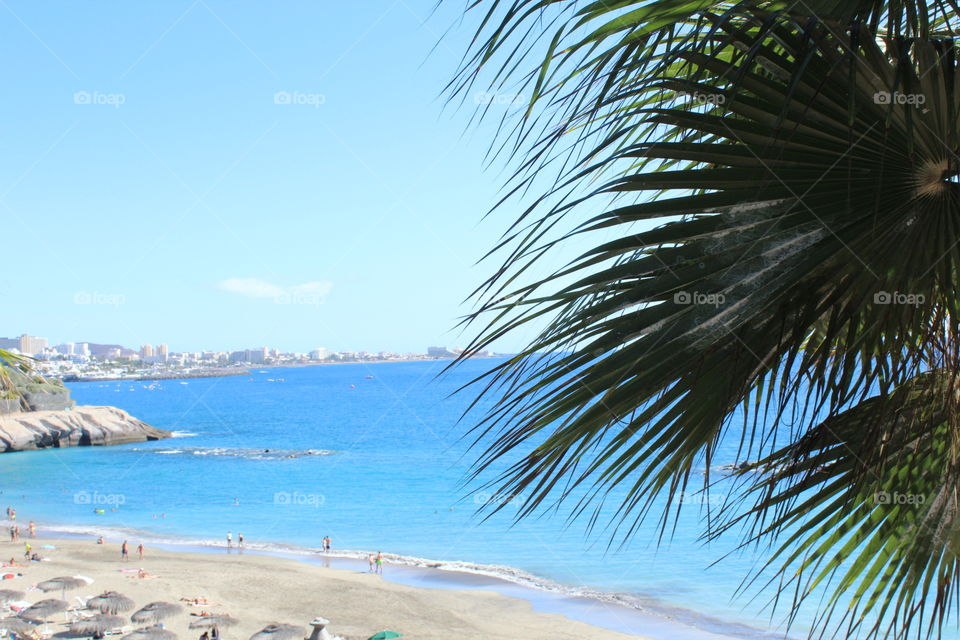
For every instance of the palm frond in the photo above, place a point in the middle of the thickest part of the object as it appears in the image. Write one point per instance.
(802, 184)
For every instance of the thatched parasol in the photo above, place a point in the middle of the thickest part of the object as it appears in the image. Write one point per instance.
(61, 584)
(97, 624)
(278, 631)
(110, 602)
(150, 633)
(9, 595)
(214, 621)
(156, 611)
(44, 610)
(17, 625)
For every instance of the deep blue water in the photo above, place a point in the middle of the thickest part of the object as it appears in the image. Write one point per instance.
(391, 481)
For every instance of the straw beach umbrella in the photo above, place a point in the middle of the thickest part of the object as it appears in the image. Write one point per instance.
(214, 621)
(17, 626)
(44, 610)
(97, 624)
(150, 633)
(62, 584)
(278, 631)
(110, 602)
(156, 611)
(9, 595)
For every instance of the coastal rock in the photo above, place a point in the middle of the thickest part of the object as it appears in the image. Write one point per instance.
(76, 427)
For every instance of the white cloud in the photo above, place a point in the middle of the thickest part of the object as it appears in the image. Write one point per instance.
(306, 293)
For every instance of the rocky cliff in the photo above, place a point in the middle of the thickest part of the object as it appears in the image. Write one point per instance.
(76, 427)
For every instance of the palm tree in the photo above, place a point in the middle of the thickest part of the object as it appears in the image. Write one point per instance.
(15, 364)
(770, 195)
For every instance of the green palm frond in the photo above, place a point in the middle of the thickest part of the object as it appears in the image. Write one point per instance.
(801, 182)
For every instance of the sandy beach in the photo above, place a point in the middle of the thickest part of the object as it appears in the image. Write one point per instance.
(259, 589)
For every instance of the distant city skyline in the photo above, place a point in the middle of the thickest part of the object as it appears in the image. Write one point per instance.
(34, 345)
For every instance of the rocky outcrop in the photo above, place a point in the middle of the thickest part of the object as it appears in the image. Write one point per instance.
(77, 427)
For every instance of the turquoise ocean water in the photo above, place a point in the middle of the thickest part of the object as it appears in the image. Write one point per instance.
(372, 456)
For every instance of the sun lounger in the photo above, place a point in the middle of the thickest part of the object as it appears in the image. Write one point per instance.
(116, 633)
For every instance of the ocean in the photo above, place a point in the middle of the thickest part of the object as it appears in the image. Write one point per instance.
(374, 456)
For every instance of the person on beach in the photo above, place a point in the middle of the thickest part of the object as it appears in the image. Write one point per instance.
(240, 540)
(32, 527)
(373, 562)
(13, 534)
(27, 550)
(13, 514)
(100, 540)
(229, 540)
(326, 544)
(205, 636)
(380, 562)
(124, 551)
(140, 550)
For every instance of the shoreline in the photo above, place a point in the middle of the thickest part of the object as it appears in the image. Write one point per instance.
(259, 589)
(628, 614)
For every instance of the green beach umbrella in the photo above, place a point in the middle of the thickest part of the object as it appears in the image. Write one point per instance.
(385, 635)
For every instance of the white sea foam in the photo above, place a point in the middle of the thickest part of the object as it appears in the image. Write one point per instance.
(249, 454)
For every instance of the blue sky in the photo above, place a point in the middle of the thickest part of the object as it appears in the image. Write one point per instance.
(156, 188)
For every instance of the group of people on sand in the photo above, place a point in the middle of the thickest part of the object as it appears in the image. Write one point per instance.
(125, 549)
(376, 562)
(230, 540)
(15, 528)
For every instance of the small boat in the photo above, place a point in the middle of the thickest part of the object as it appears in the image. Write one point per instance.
(369, 377)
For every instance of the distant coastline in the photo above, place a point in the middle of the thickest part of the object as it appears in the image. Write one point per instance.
(173, 375)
